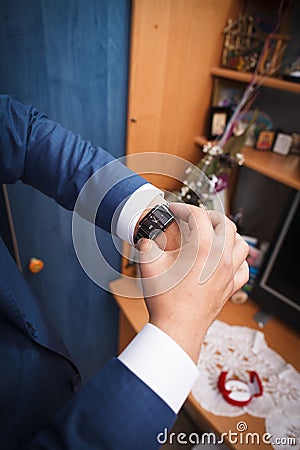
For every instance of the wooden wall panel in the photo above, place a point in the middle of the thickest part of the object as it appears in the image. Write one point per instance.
(174, 43)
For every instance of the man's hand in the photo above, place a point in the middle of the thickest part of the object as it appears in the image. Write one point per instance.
(186, 289)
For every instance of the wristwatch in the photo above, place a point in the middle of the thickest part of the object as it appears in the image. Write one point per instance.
(154, 222)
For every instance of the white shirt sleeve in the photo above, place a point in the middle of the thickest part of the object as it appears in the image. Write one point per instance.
(144, 197)
(161, 364)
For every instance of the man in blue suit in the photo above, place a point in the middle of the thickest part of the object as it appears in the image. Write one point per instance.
(137, 395)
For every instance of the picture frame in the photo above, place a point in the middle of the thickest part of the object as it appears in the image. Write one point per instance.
(265, 140)
(282, 144)
(218, 119)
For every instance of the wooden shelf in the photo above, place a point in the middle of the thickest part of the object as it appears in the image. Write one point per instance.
(285, 169)
(274, 83)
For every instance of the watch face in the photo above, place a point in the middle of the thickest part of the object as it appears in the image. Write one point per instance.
(154, 222)
(162, 215)
(153, 219)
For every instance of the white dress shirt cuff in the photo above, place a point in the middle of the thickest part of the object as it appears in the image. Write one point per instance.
(161, 364)
(144, 197)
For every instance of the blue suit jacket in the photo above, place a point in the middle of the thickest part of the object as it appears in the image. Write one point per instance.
(42, 402)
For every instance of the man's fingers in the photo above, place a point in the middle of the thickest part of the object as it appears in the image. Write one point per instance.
(218, 218)
(234, 244)
(225, 233)
(228, 248)
(183, 212)
(222, 246)
(241, 251)
(241, 276)
(190, 214)
(198, 220)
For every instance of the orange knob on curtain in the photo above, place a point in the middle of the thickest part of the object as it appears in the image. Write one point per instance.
(35, 265)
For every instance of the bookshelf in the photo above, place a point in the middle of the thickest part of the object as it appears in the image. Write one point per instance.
(285, 169)
(243, 77)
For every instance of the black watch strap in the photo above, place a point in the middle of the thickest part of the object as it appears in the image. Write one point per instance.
(155, 221)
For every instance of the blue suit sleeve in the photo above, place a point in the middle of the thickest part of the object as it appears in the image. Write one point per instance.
(40, 152)
(115, 411)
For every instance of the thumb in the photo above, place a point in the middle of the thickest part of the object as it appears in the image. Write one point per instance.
(151, 259)
(148, 251)
(143, 245)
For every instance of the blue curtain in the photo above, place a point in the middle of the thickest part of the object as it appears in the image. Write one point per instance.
(69, 58)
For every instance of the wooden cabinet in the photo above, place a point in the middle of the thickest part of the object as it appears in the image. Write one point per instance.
(175, 48)
(174, 44)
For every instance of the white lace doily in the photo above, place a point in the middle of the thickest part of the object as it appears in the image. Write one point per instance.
(237, 350)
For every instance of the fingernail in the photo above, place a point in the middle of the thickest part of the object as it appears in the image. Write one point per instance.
(144, 245)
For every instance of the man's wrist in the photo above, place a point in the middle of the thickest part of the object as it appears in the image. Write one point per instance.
(143, 198)
(189, 337)
(144, 213)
